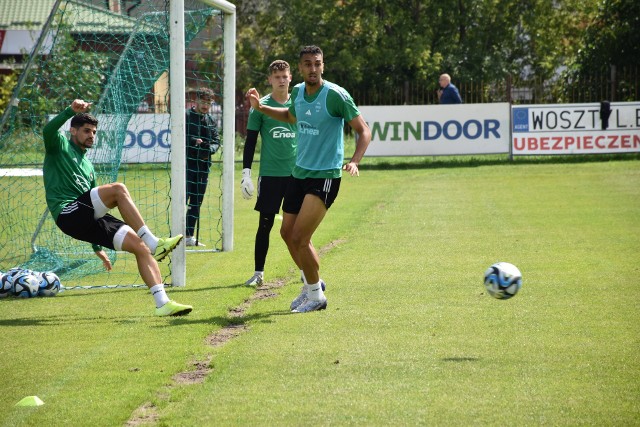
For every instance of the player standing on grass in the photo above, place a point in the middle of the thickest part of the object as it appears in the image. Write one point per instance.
(320, 109)
(79, 207)
(277, 158)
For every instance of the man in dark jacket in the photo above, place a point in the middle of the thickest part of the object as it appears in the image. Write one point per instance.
(202, 142)
(448, 93)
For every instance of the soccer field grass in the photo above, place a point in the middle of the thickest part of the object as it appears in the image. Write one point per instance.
(410, 337)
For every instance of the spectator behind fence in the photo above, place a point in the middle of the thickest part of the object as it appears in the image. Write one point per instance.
(448, 93)
(203, 141)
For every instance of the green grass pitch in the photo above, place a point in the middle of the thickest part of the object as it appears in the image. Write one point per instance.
(410, 336)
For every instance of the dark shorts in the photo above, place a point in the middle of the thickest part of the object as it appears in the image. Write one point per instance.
(271, 191)
(326, 189)
(76, 220)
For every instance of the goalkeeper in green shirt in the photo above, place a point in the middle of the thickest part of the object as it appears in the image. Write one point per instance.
(277, 159)
(80, 208)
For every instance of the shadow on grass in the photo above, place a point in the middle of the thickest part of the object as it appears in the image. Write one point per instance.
(209, 288)
(69, 320)
(224, 321)
(436, 162)
(139, 318)
(460, 359)
(81, 291)
(33, 321)
(71, 293)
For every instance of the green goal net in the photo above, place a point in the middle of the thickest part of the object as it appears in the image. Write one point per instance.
(119, 60)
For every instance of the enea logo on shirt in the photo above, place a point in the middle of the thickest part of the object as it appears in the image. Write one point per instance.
(281, 132)
(305, 128)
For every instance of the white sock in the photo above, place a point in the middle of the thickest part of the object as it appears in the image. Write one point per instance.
(314, 292)
(302, 276)
(148, 238)
(159, 295)
(259, 273)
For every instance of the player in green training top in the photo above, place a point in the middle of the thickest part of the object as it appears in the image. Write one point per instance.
(79, 207)
(320, 109)
(277, 158)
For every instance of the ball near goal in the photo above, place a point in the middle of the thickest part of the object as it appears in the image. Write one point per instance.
(26, 285)
(502, 280)
(6, 285)
(6, 282)
(49, 284)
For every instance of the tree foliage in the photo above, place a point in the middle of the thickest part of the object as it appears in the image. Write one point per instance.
(68, 72)
(372, 44)
(7, 83)
(609, 47)
(612, 38)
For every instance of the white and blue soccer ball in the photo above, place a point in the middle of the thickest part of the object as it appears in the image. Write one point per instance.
(13, 272)
(6, 282)
(26, 285)
(49, 284)
(502, 280)
(6, 285)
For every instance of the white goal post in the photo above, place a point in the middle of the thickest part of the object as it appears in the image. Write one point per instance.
(177, 103)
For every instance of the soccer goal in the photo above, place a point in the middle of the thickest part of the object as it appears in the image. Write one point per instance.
(141, 66)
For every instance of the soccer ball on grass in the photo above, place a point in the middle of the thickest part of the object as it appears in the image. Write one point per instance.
(25, 285)
(6, 282)
(502, 280)
(49, 284)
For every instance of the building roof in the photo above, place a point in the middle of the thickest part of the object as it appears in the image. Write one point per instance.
(85, 18)
(24, 15)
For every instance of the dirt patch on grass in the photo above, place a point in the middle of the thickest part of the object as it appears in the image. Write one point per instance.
(196, 376)
(225, 334)
(264, 291)
(145, 414)
(331, 245)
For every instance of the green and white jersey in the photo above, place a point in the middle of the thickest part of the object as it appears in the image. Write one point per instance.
(278, 150)
(67, 172)
(320, 120)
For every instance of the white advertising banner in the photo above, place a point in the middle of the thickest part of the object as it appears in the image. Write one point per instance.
(21, 42)
(576, 129)
(147, 139)
(431, 130)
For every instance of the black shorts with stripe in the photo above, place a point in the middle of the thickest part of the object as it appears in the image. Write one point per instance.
(271, 191)
(324, 188)
(76, 220)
